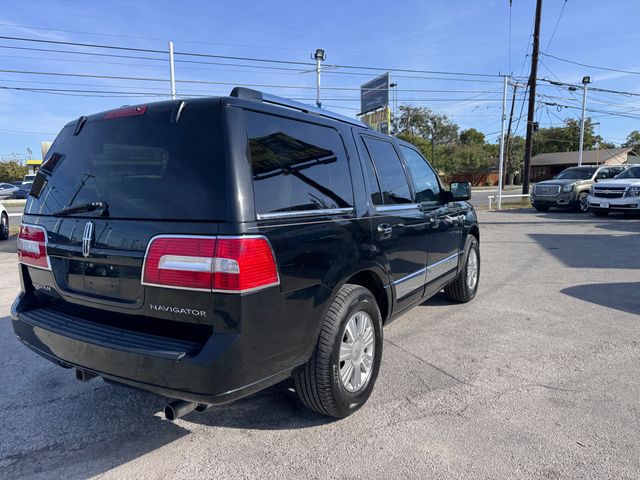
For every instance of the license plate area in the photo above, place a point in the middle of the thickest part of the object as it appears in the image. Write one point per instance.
(119, 282)
(604, 204)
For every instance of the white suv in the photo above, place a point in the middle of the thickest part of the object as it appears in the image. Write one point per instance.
(620, 194)
(4, 223)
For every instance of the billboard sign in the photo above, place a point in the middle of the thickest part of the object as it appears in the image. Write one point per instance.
(380, 120)
(374, 94)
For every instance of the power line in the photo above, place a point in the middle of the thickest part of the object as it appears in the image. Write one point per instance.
(251, 59)
(556, 27)
(631, 72)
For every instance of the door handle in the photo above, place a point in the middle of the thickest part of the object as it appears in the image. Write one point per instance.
(385, 230)
(434, 221)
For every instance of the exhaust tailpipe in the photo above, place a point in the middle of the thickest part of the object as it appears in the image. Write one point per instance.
(179, 408)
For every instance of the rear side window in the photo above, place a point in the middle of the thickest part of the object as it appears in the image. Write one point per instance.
(145, 166)
(297, 166)
(393, 182)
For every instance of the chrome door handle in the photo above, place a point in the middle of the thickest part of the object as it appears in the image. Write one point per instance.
(434, 221)
(385, 230)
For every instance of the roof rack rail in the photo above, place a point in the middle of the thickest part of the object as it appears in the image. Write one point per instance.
(257, 96)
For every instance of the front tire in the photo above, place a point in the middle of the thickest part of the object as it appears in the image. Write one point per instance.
(463, 289)
(582, 205)
(4, 226)
(340, 375)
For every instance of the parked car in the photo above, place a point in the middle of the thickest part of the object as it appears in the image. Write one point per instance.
(621, 194)
(570, 188)
(17, 183)
(23, 191)
(4, 223)
(7, 190)
(297, 235)
(29, 178)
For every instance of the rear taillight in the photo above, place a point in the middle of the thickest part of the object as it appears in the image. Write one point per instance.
(32, 246)
(222, 264)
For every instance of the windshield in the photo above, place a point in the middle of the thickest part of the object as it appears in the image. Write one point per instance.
(143, 166)
(577, 174)
(633, 172)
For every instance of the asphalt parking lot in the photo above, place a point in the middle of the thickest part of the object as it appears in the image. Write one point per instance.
(536, 378)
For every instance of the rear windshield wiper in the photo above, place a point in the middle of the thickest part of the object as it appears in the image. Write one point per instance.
(85, 207)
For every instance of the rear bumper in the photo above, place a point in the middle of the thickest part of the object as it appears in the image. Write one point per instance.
(217, 373)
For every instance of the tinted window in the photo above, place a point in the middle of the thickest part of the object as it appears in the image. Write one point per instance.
(633, 172)
(297, 165)
(424, 178)
(143, 166)
(393, 182)
(577, 173)
(372, 179)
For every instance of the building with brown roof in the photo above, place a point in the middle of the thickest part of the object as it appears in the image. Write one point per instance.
(547, 165)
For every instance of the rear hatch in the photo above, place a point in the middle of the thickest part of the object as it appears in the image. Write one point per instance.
(109, 184)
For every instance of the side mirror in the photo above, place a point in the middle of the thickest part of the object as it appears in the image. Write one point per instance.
(461, 191)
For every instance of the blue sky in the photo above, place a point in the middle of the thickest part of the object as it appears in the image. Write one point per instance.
(452, 36)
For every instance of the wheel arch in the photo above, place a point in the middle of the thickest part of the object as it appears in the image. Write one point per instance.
(370, 280)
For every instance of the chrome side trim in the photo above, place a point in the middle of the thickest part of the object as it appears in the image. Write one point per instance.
(304, 213)
(443, 266)
(411, 282)
(401, 206)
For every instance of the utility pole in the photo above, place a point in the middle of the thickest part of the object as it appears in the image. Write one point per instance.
(504, 117)
(585, 81)
(433, 140)
(528, 147)
(319, 57)
(172, 72)
(508, 141)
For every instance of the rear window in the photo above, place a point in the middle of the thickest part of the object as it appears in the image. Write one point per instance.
(297, 166)
(145, 166)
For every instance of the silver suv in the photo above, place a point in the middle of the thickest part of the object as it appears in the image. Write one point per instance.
(570, 188)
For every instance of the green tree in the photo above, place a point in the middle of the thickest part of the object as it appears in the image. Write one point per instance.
(11, 171)
(633, 141)
(472, 137)
(564, 139)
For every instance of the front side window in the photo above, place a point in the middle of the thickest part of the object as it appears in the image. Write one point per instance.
(633, 172)
(297, 166)
(424, 178)
(393, 181)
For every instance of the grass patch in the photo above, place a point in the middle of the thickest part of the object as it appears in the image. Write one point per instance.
(524, 203)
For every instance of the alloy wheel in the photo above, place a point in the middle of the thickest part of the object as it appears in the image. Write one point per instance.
(357, 351)
(472, 269)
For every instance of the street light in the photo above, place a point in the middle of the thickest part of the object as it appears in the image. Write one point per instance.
(319, 56)
(586, 80)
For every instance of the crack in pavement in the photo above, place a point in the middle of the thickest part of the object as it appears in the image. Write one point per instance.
(422, 360)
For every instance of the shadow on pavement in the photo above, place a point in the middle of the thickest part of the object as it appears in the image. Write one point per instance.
(276, 408)
(619, 296)
(592, 251)
(622, 226)
(10, 245)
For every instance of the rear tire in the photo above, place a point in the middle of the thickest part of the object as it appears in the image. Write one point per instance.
(463, 289)
(4, 226)
(320, 383)
(542, 209)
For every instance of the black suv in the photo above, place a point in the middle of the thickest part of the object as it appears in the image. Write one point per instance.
(207, 249)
